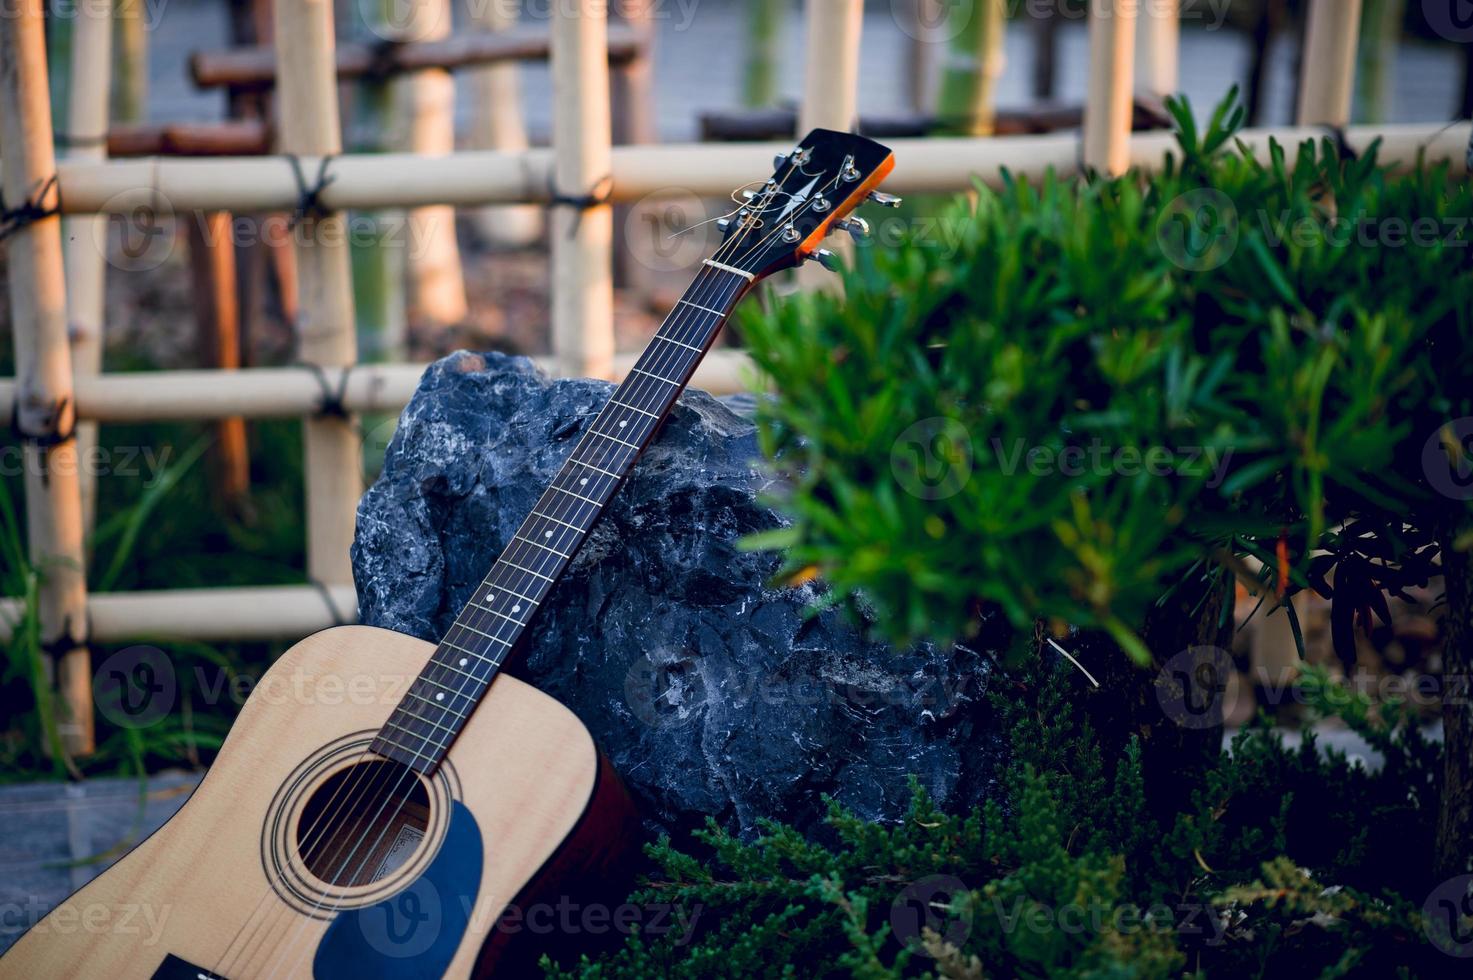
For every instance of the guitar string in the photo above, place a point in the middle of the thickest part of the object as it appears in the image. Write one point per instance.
(521, 545)
(380, 779)
(441, 746)
(655, 362)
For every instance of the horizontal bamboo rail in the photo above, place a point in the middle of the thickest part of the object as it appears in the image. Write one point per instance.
(271, 612)
(230, 138)
(468, 179)
(255, 67)
(291, 392)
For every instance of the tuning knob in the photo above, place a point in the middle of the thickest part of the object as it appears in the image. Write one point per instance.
(884, 200)
(778, 160)
(856, 226)
(829, 260)
(722, 224)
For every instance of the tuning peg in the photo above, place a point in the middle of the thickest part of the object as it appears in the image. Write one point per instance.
(856, 226)
(722, 224)
(884, 200)
(829, 260)
(778, 161)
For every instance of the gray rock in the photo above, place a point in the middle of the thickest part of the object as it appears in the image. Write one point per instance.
(712, 690)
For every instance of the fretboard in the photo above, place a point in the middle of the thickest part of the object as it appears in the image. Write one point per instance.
(491, 624)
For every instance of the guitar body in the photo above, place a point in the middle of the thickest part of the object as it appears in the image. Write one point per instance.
(521, 811)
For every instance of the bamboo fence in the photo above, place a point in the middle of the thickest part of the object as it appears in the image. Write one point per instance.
(580, 176)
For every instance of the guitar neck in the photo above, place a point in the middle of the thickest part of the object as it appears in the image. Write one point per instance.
(493, 621)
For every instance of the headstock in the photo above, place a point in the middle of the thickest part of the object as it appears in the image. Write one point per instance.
(811, 192)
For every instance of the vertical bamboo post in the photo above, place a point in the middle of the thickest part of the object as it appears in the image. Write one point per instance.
(1327, 73)
(831, 72)
(1379, 39)
(633, 101)
(307, 99)
(1107, 109)
(86, 235)
(499, 124)
(130, 63)
(45, 406)
(760, 66)
(427, 101)
(968, 88)
(1158, 47)
(920, 53)
(582, 238)
(212, 264)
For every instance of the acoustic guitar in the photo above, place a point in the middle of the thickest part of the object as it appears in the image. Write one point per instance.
(387, 807)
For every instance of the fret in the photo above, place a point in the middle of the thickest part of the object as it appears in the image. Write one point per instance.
(420, 718)
(437, 704)
(420, 736)
(539, 544)
(456, 646)
(600, 469)
(679, 343)
(549, 517)
(698, 306)
(655, 376)
(405, 748)
(580, 496)
(504, 616)
(468, 626)
(631, 445)
(444, 666)
(730, 268)
(635, 408)
(460, 693)
(504, 589)
(527, 570)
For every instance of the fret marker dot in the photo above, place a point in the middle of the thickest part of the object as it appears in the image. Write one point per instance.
(463, 661)
(583, 482)
(516, 609)
(623, 423)
(439, 695)
(547, 534)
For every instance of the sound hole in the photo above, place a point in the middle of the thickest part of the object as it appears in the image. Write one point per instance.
(363, 822)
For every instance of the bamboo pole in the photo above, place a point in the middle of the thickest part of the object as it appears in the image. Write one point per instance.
(273, 612)
(44, 367)
(86, 236)
(308, 110)
(760, 65)
(1158, 47)
(130, 63)
(426, 109)
(499, 124)
(582, 238)
(1376, 57)
(831, 68)
(1327, 72)
(633, 100)
(968, 98)
(1107, 111)
(261, 393)
(924, 18)
(469, 179)
(217, 324)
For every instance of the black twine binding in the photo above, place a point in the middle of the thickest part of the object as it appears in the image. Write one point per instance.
(603, 190)
(331, 405)
(53, 436)
(383, 59)
(29, 211)
(332, 607)
(309, 199)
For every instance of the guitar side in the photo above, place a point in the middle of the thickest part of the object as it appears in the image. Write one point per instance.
(523, 811)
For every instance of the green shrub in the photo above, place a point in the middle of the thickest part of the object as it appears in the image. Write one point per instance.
(974, 423)
(1285, 862)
